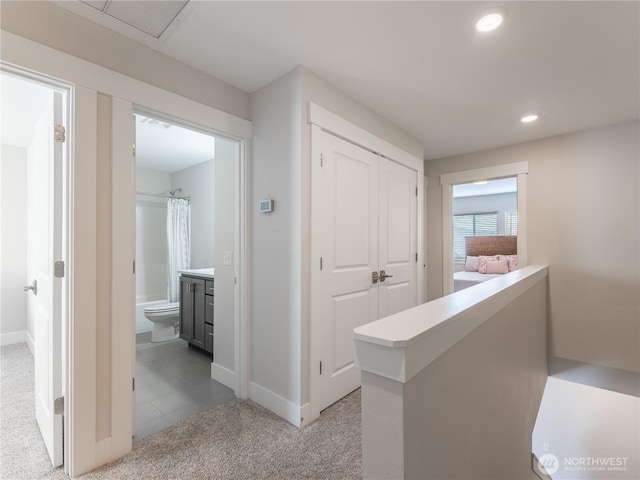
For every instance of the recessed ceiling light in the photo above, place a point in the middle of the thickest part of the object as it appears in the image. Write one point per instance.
(529, 118)
(490, 21)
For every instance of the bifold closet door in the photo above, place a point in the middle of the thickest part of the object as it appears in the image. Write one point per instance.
(364, 220)
(345, 218)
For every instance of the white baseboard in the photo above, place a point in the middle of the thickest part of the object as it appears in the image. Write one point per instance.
(12, 338)
(294, 414)
(224, 376)
(30, 343)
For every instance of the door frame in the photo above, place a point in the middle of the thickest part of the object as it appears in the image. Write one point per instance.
(239, 379)
(447, 180)
(323, 120)
(67, 245)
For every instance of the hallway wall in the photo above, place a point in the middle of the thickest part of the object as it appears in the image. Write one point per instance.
(13, 244)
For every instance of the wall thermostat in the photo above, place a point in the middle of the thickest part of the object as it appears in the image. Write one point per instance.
(266, 206)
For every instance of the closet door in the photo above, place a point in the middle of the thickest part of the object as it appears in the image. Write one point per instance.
(345, 236)
(364, 221)
(397, 238)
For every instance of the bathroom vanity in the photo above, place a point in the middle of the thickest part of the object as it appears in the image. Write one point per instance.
(196, 307)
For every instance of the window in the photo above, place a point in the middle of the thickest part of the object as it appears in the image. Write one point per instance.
(472, 225)
(511, 223)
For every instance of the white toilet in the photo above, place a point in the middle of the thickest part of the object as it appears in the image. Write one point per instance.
(165, 318)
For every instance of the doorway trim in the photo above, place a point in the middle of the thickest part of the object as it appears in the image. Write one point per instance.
(447, 180)
(239, 377)
(69, 254)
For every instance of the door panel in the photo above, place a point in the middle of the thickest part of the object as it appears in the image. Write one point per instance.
(345, 209)
(397, 257)
(44, 227)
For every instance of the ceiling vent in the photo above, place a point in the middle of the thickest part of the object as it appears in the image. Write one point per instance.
(152, 18)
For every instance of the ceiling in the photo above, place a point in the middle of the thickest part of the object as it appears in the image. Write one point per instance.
(165, 147)
(492, 187)
(423, 66)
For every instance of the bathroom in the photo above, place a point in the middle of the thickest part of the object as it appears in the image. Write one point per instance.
(185, 180)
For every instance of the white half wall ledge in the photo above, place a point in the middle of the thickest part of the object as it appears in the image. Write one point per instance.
(399, 346)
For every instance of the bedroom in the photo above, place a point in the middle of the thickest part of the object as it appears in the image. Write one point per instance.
(488, 209)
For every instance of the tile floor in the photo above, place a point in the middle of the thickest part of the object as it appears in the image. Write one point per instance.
(173, 382)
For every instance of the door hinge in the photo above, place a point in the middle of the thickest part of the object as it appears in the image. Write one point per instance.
(133, 384)
(59, 133)
(416, 256)
(320, 263)
(320, 367)
(58, 269)
(134, 150)
(134, 267)
(321, 160)
(416, 191)
(58, 406)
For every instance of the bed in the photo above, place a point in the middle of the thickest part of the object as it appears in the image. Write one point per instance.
(501, 248)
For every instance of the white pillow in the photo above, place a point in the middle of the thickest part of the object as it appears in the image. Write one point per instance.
(471, 264)
(498, 266)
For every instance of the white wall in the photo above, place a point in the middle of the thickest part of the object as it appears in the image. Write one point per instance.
(151, 237)
(583, 209)
(13, 244)
(226, 163)
(198, 182)
(280, 240)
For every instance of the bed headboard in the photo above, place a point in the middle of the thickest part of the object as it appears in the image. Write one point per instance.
(493, 245)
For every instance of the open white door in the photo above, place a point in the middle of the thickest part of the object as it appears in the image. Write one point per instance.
(45, 247)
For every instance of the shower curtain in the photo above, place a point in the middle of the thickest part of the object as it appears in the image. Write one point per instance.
(178, 243)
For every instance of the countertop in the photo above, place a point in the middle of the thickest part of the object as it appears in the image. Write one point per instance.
(198, 272)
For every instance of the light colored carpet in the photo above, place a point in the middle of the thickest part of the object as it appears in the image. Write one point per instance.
(23, 454)
(239, 440)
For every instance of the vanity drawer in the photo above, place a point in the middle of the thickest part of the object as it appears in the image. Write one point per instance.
(209, 287)
(208, 309)
(208, 337)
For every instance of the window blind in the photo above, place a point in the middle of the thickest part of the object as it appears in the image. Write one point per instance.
(511, 223)
(472, 225)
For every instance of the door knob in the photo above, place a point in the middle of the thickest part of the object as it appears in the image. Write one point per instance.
(374, 277)
(384, 276)
(33, 287)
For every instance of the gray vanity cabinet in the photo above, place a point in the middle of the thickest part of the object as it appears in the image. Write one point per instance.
(208, 317)
(196, 311)
(192, 310)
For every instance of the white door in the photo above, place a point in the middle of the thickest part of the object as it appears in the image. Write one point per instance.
(44, 233)
(345, 216)
(363, 221)
(398, 237)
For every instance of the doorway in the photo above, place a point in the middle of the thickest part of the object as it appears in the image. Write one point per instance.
(518, 171)
(35, 271)
(485, 208)
(186, 270)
